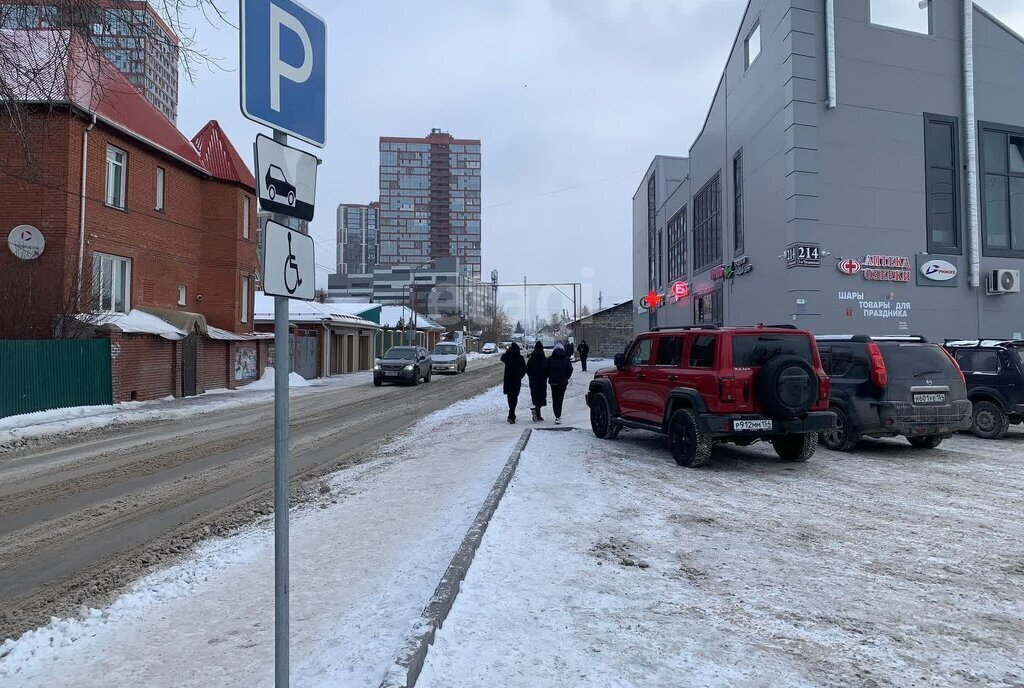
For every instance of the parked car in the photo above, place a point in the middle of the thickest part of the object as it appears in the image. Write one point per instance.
(489, 348)
(408, 364)
(701, 385)
(892, 386)
(278, 184)
(994, 370)
(448, 358)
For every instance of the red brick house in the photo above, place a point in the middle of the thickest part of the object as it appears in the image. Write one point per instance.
(138, 221)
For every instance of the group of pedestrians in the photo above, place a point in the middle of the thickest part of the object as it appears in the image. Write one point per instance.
(542, 371)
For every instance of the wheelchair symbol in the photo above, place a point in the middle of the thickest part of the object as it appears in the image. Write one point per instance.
(290, 266)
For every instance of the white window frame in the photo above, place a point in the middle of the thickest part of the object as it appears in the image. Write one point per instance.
(182, 295)
(749, 55)
(116, 193)
(120, 281)
(245, 216)
(161, 177)
(245, 298)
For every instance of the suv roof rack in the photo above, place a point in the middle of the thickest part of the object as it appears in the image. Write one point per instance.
(685, 327)
(967, 343)
(863, 338)
(787, 326)
(900, 338)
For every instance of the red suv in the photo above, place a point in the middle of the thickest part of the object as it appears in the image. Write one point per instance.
(705, 384)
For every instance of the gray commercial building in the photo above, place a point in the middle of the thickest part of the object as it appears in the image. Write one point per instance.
(357, 238)
(854, 174)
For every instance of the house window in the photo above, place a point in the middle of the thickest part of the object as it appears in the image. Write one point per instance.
(111, 283)
(661, 260)
(652, 230)
(1002, 160)
(677, 246)
(942, 184)
(182, 294)
(707, 224)
(909, 15)
(245, 217)
(737, 201)
(160, 189)
(753, 44)
(117, 169)
(709, 308)
(245, 299)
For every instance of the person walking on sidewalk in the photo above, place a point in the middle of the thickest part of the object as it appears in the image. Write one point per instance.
(515, 369)
(559, 372)
(537, 371)
(583, 350)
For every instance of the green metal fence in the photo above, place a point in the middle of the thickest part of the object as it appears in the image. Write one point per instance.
(56, 373)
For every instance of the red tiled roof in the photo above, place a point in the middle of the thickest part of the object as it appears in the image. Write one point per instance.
(64, 67)
(220, 157)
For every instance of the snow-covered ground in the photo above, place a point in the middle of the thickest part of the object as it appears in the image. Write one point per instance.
(608, 565)
(67, 421)
(362, 570)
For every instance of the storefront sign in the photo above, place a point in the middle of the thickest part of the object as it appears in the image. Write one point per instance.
(848, 266)
(803, 256)
(936, 272)
(878, 268)
(652, 300)
(679, 290)
(734, 269)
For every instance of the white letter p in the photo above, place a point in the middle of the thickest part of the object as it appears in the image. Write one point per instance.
(279, 69)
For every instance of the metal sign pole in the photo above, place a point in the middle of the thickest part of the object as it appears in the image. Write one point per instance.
(282, 371)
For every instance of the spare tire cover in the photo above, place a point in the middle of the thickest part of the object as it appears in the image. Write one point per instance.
(787, 387)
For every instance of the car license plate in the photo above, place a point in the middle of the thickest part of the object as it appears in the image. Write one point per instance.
(391, 373)
(929, 398)
(739, 425)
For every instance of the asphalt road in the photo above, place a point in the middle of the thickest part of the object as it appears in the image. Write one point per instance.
(81, 519)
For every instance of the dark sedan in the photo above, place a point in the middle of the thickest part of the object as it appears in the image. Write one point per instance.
(405, 364)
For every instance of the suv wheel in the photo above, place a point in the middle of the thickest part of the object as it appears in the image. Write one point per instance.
(841, 437)
(990, 422)
(927, 442)
(690, 447)
(797, 448)
(601, 418)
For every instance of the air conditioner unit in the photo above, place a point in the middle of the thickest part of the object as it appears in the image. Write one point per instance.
(1004, 282)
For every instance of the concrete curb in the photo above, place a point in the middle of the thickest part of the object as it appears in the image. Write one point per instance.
(407, 667)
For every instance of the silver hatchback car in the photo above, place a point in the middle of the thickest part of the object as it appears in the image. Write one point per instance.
(449, 357)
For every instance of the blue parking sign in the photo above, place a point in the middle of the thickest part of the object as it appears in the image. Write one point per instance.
(284, 68)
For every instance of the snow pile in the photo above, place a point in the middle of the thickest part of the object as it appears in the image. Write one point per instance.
(266, 383)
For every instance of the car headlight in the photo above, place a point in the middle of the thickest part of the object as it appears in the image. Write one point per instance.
(409, 367)
(376, 367)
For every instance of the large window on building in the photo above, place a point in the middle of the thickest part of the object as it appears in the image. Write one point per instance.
(117, 170)
(244, 302)
(1002, 160)
(160, 189)
(677, 246)
(111, 283)
(652, 231)
(737, 202)
(707, 224)
(709, 308)
(942, 184)
(752, 46)
(909, 15)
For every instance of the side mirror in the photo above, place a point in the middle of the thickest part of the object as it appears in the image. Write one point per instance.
(620, 361)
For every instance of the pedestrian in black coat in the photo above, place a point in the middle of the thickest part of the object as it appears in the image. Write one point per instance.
(537, 371)
(515, 370)
(559, 372)
(583, 350)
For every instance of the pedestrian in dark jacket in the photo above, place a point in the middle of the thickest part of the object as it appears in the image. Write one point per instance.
(515, 369)
(583, 350)
(568, 349)
(559, 372)
(537, 371)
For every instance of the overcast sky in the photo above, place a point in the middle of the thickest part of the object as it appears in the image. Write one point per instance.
(571, 99)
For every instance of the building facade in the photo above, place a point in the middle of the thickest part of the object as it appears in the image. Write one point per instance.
(832, 189)
(430, 201)
(357, 238)
(130, 33)
(608, 331)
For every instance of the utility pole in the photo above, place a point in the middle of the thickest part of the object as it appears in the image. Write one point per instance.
(600, 300)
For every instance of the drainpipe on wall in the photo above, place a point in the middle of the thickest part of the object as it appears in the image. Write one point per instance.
(971, 125)
(327, 350)
(81, 216)
(830, 52)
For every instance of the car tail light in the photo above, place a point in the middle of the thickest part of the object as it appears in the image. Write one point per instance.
(727, 389)
(955, 364)
(878, 373)
(824, 387)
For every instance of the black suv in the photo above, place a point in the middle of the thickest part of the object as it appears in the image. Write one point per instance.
(994, 370)
(892, 386)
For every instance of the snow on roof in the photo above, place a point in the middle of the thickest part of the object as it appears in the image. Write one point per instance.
(309, 311)
(225, 336)
(220, 157)
(391, 315)
(134, 322)
(354, 307)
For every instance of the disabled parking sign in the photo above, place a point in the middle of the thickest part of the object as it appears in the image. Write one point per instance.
(289, 264)
(284, 68)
